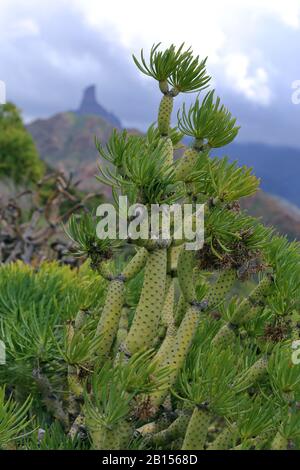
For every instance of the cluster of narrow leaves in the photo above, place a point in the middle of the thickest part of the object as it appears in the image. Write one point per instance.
(150, 345)
(208, 122)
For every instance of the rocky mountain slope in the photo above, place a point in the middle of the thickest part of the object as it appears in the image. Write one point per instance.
(274, 212)
(90, 106)
(66, 140)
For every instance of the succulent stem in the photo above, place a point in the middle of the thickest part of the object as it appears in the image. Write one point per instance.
(110, 317)
(148, 312)
(164, 114)
(197, 429)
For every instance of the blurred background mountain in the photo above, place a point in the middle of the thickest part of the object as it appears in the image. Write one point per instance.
(66, 141)
(51, 50)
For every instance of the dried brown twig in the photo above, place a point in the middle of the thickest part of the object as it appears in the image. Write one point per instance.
(31, 221)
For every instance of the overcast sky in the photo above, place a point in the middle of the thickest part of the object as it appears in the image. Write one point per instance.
(50, 50)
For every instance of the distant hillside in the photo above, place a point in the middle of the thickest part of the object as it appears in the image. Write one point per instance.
(278, 167)
(274, 212)
(68, 138)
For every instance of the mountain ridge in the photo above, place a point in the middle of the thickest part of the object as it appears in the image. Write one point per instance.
(90, 106)
(68, 138)
(66, 141)
(277, 166)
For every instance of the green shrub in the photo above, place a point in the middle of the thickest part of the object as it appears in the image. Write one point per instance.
(18, 155)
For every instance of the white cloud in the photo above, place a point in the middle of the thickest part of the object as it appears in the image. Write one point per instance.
(14, 26)
(24, 27)
(58, 47)
(205, 24)
(252, 84)
(137, 23)
(222, 30)
(287, 11)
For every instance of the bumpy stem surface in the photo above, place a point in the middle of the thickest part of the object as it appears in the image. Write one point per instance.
(224, 440)
(148, 313)
(185, 274)
(196, 432)
(221, 287)
(110, 318)
(279, 442)
(175, 430)
(186, 164)
(164, 114)
(136, 264)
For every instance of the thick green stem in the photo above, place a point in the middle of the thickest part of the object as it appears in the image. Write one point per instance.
(224, 440)
(109, 320)
(125, 431)
(80, 319)
(279, 442)
(186, 164)
(248, 307)
(225, 336)
(74, 383)
(175, 430)
(105, 270)
(164, 114)
(135, 265)
(255, 373)
(173, 255)
(197, 429)
(122, 329)
(180, 310)
(167, 321)
(148, 313)
(168, 150)
(184, 338)
(247, 310)
(185, 274)
(104, 438)
(177, 354)
(167, 317)
(221, 287)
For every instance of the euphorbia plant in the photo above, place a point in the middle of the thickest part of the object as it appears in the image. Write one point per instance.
(189, 349)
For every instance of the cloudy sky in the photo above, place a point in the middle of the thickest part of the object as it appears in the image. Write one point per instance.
(50, 50)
